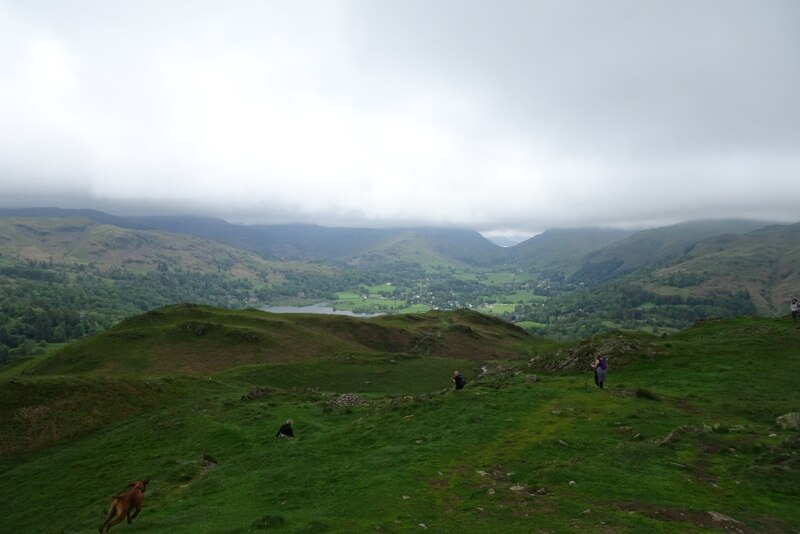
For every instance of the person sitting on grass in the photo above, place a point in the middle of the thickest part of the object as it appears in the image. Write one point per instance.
(285, 431)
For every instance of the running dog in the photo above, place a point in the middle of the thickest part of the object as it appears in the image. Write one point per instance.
(123, 504)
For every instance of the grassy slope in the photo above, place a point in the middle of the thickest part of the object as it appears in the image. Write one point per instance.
(198, 340)
(658, 244)
(78, 239)
(765, 262)
(699, 437)
(564, 249)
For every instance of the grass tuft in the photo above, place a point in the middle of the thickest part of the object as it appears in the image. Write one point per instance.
(269, 522)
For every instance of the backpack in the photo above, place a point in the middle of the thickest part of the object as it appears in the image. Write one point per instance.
(603, 363)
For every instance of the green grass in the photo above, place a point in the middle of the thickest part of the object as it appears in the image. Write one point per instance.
(685, 426)
(498, 308)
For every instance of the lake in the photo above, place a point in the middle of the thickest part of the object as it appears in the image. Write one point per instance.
(320, 308)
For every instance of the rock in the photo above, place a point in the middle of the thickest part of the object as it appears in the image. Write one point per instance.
(571, 482)
(517, 488)
(347, 400)
(722, 518)
(531, 379)
(541, 491)
(491, 491)
(789, 421)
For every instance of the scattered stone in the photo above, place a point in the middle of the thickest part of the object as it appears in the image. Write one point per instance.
(541, 491)
(256, 393)
(722, 518)
(406, 497)
(491, 491)
(556, 412)
(571, 482)
(517, 488)
(562, 442)
(789, 421)
(482, 473)
(207, 463)
(684, 429)
(587, 511)
(423, 526)
(418, 441)
(531, 379)
(347, 400)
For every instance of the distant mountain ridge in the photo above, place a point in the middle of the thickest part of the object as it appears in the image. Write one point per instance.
(563, 249)
(764, 262)
(555, 249)
(699, 256)
(650, 247)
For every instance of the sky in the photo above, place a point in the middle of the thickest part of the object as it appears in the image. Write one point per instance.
(507, 117)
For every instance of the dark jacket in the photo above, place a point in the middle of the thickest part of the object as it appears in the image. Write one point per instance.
(286, 430)
(459, 381)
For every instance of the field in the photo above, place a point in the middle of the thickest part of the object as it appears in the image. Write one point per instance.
(683, 438)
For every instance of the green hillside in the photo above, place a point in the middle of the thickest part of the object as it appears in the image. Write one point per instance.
(684, 438)
(200, 340)
(766, 263)
(81, 240)
(650, 247)
(564, 249)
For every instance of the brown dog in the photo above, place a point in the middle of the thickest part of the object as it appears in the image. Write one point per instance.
(123, 504)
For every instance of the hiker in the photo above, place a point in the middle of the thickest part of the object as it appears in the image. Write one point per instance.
(458, 380)
(285, 431)
(600, 364)
(795, 307)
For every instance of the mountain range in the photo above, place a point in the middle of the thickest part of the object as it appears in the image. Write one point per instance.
(691, 258)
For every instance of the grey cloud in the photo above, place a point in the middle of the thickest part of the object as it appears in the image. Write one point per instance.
(510, 115)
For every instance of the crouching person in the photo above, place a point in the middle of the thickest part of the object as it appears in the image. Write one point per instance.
(285, 431)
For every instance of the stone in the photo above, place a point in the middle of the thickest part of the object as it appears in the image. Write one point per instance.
(789, 421)
(722, 518)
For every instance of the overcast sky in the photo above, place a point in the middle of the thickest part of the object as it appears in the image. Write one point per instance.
(501, 116)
